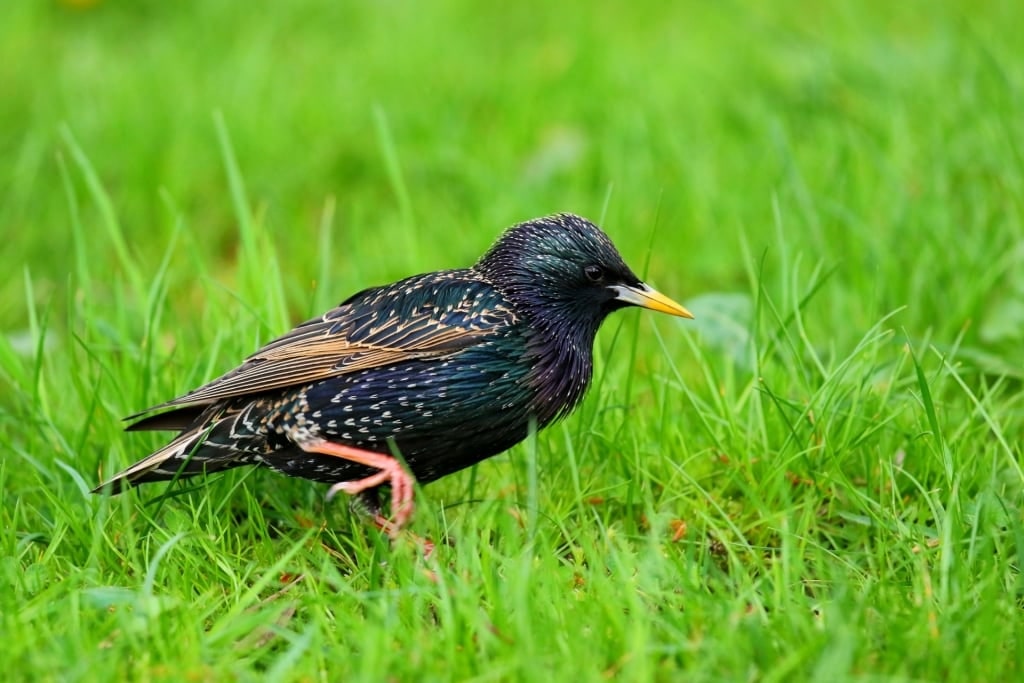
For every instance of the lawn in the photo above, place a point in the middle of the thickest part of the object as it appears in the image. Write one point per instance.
(820, 478)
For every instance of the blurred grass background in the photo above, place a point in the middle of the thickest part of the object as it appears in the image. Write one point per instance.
(817, 479)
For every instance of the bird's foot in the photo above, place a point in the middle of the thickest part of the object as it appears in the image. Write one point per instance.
(388, 527)
(391, 473)
(367, 505)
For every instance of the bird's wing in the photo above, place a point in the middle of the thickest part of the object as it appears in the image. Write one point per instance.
(420, 317)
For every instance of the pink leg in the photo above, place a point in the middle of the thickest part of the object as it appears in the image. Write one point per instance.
(391, 472)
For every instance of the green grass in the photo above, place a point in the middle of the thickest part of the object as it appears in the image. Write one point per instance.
(819, 479)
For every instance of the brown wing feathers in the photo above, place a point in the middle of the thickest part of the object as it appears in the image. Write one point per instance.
(344, 340)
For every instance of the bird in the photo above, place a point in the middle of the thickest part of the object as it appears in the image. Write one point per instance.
(443, 370)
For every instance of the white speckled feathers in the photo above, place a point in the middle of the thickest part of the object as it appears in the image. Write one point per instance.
(420, 317)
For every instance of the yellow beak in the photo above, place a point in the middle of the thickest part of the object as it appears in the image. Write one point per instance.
(646, 297)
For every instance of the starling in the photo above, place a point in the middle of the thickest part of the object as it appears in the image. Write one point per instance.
(446, 368)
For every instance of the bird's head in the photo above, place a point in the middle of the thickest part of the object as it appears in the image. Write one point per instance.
(563, 269)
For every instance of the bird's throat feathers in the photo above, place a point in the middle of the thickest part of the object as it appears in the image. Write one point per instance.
(562, 364)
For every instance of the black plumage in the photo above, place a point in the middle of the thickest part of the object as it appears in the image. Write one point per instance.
(448, 367)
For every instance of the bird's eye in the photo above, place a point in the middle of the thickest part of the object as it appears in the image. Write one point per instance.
(594, 273)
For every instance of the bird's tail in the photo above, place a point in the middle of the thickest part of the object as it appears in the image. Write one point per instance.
(186, 456)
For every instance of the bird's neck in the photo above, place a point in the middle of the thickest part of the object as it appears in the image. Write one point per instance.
(562, 358)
